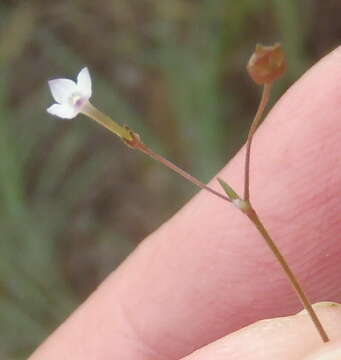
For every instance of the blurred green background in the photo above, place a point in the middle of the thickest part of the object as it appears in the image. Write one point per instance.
(74, 201)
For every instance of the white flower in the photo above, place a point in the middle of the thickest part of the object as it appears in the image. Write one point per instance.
(71, 97)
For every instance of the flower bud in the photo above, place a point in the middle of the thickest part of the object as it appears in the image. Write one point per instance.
(267, 63)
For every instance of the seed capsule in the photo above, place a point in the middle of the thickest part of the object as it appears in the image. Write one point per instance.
(267, 63)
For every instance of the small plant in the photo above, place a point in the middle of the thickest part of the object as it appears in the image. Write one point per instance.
(266, 65)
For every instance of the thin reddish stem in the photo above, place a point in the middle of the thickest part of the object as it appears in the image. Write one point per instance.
(264, 100)
(143, 148)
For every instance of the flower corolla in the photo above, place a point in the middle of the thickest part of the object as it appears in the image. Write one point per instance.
(71, 97)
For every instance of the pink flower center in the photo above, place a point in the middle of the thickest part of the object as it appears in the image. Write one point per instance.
(77, 100)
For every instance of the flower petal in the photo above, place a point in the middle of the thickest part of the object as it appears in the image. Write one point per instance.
(62, 89)
(84, 83)
(63, 111)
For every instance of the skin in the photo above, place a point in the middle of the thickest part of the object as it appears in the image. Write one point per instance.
(207, 272)
(279, 338)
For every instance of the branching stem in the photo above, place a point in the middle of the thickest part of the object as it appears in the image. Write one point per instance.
(133, 140)
(252, 215)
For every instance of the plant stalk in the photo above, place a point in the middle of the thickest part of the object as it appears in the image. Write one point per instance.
(252, 215)
(133, 140)
(143, 148)
(263, 102)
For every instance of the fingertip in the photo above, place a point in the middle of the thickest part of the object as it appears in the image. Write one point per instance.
(292, 337)
(330, 351)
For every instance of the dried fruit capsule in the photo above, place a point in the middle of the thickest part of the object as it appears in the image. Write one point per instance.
(267, 63)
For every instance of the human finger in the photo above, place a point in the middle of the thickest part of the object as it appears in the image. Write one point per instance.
(290, 337)
(207, 272)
